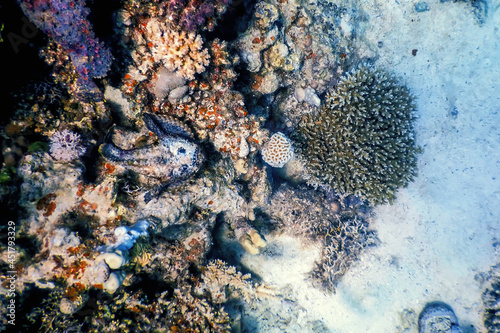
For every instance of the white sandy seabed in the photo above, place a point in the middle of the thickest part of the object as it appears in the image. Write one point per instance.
(440, 232)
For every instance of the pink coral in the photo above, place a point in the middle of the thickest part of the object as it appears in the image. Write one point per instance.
(65, 146)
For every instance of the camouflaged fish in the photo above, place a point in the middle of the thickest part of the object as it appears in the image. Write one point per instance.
(175, 158)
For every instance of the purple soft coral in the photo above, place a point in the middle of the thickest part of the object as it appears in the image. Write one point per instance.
(66, 23)
(194, 15)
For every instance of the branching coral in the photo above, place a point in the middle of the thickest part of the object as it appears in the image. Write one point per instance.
(362, 142)
(342, 231)
(164, 35)
(176, 50)
(344, 240)
(218, 112)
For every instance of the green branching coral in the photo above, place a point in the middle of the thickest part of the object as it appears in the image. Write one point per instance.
(362, 141)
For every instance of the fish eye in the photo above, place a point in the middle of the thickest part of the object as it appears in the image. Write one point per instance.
(181, 151)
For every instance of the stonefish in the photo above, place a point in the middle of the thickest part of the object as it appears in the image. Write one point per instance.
(173, 159)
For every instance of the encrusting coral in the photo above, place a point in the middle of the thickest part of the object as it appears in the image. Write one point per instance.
(362, 142)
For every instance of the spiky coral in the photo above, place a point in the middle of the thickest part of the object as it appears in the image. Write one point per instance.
(362, 142)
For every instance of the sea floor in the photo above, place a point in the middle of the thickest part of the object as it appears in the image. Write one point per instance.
(443, 231)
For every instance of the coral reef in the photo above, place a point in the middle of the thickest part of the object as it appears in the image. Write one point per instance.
(67, 24)
(362, 142)
(125, 238)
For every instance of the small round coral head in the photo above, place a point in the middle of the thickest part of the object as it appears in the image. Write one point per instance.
(278, 150)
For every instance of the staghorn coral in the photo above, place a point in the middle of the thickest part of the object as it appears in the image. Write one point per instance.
(362, 142)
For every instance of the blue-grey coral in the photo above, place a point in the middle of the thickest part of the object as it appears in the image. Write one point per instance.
(362, 141)
(175, 158)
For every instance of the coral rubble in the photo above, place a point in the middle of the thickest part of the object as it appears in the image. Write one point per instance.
(340, 228)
